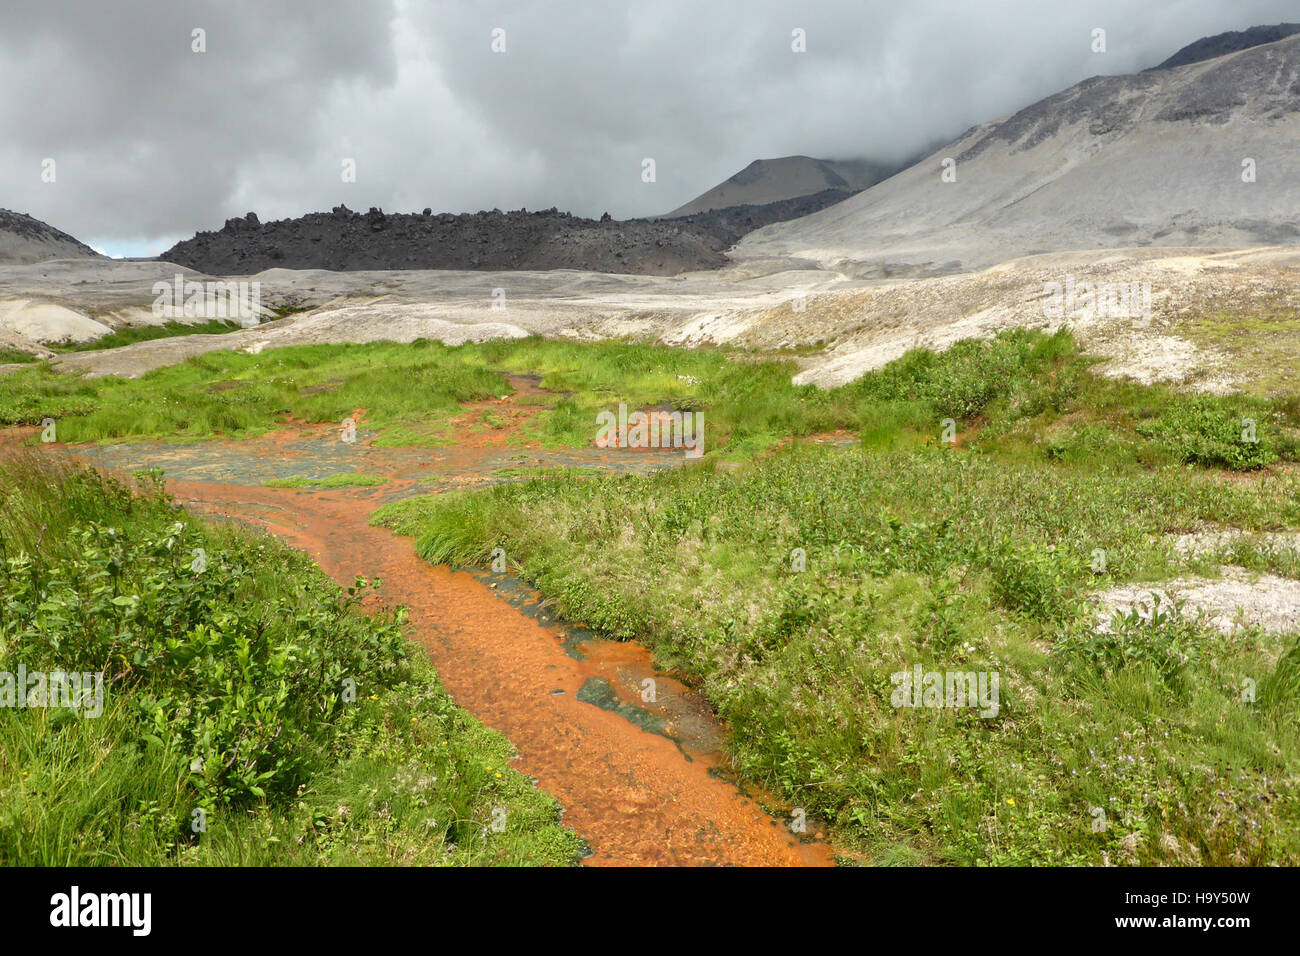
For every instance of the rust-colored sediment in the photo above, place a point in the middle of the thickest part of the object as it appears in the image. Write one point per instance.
(637, 797)
(633, 795)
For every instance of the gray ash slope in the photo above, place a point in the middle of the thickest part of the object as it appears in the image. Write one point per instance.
(344, 240)
(1197, 155)
(766, 181)
(24, 240)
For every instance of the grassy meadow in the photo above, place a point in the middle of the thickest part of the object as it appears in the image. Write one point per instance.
(1023, 393)
(987, 491)
(792, 588)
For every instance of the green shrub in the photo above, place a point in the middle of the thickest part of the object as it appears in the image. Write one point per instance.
(1212, 432)
(1091, 444)
(1164, 640)
(247, 690)
(239, 680)
(961, 381)
(1036, 580)
(1280, 691)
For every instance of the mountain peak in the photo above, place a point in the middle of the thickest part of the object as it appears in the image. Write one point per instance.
(1221, 44)
(1194, 157)
(786, 177)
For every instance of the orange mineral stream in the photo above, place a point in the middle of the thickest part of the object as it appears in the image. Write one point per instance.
(642, 782)
(635, 796)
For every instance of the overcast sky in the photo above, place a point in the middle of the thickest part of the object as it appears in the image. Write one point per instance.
(152, 141)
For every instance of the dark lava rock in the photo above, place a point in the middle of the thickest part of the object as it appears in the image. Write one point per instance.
(1221, 44)
(343, 240)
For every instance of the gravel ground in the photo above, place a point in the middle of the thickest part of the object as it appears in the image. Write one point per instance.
(858, 324)
(1237, 599)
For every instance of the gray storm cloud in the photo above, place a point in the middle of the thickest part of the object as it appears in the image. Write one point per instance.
(153, 141)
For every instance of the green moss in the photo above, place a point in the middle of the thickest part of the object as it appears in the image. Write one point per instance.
(342, 480)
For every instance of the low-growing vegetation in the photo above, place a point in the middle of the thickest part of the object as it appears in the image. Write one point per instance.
(250, 712)
(1023, 393)
(341, 480)
(795, 589)
(990, 490)
(147, 333)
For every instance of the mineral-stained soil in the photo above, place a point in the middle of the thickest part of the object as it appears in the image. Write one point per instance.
(643, 778)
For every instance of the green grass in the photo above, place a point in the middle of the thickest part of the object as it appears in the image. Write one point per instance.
(127, 336)
(147, 333)
(236, 395)
(342, 480)
(252, 714)
(972, 559)
(954, 561)
(544, 471)
(1024, 393)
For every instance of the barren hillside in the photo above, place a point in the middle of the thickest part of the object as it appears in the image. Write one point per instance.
(24, 240)
(1196, 155)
